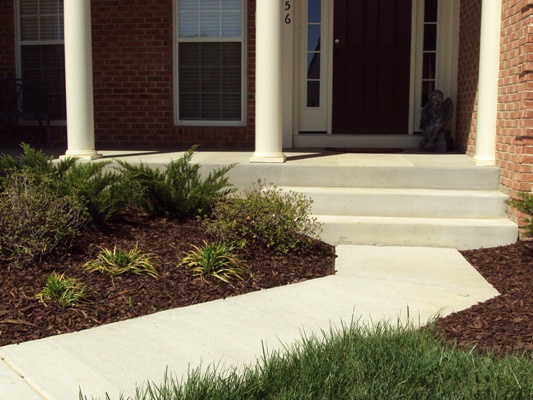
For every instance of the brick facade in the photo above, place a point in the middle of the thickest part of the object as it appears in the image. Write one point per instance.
(466, 108)
(7, 38)
(514, 137)
(514, 141)
(7, 63)
(134, 75)
(133, 79)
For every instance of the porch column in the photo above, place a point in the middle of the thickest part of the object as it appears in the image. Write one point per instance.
(79, 80)
(268, 78)
(489, 68)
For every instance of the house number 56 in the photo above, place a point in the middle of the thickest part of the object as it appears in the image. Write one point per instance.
(288, 7)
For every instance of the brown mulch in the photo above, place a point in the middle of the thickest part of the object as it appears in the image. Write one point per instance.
(503, 324)
(23, 317)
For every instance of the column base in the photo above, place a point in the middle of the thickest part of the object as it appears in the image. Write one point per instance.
(87, 155)
(484, 161)
(278, 157)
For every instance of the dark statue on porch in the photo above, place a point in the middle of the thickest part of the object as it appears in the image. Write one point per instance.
(435, 115)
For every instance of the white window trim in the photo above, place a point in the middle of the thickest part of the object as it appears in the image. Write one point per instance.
(177, 41)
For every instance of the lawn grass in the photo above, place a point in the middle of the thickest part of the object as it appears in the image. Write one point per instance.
(382, 362)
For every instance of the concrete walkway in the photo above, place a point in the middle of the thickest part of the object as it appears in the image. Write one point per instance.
(372, 284)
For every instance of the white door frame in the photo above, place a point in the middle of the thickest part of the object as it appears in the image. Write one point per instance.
(319, 119)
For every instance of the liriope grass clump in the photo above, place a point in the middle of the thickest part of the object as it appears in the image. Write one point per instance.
(65, 291)
(118, 261)
(218, 260)
(265, 215)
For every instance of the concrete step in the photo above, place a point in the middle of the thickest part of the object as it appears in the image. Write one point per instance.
(400, 177)
(430, 203)
(459, 233)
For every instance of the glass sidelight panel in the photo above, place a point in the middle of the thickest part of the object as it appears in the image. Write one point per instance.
(429, 55)
(314, 26)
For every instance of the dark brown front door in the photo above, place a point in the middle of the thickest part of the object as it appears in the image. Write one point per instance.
(371, 66)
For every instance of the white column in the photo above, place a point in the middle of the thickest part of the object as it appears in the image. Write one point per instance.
(268, 82)
(489, 67)
(79, 80)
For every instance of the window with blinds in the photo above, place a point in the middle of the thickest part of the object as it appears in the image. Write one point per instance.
(41, 52)
(210, 60)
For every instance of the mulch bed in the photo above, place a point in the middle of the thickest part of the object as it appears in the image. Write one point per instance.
(23, 317)
(502, 324)
(505, 323)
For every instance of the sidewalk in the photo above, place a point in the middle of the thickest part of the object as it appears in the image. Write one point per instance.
(371, 284)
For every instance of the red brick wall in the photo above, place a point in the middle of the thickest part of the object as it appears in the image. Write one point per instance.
(132, 69)
(7, 60)
(133, 79)
(514, 143)
(7, 39)
(466, 109)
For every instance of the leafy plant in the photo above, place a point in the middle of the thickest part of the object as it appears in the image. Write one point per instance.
(217, 260)
(104, 193)
(34, 162)
(524, 204)
(35, 220)
(266, 216)
(119, 261)
(67, 292)
(179, 191)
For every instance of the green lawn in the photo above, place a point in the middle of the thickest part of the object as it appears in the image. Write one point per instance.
(361, 363)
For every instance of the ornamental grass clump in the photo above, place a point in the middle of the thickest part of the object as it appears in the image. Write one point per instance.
(266, 216)
(120, 261)
(179, 191)
(217, 260)
(65, 291)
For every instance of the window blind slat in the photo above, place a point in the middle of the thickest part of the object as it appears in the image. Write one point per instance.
(210, 81)
(29, 28)
(210, 18)
(29, 7)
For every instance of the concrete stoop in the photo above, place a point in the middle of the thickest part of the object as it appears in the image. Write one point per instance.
(444, 206)
(433, 200)
(462, 219)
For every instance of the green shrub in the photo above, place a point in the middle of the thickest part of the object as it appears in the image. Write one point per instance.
(104, 193)
(35, 220)
(525, 205)
(267, 217)
(119, 261)
(35, 162)
(67, 292)
(217, 260)
(178, 192)
(30, 159)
